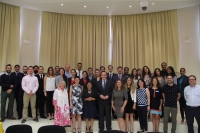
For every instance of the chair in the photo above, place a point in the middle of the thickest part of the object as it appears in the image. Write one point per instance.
(1, 128)
(19, 129)
(51, 129)
(112, 131)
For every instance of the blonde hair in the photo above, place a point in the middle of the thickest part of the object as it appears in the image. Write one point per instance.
(61, 83)
(133, 88)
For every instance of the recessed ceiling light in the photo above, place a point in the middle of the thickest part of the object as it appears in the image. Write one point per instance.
(130, 6)
(107, 7)
(61, 4)
(84, 6)
(152, 3)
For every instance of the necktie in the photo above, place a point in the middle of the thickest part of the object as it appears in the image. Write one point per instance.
(79, 74)
(110, 76)
(104, 84)
(16, 73)
(120, 77)
(40, 76)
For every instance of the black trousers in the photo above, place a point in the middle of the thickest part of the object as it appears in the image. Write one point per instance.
(107, 109)
(182, 103)
(142, 113)
(191, 113)
(40, 101)
(19, 101)
(49, 103)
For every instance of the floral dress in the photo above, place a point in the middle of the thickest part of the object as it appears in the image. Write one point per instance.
(62, 115)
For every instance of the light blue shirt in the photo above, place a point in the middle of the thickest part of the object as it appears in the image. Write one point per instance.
(68, 74)
(192, 95)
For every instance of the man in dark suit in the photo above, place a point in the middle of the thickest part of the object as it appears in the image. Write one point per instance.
(182, 82)
(119, 75)
(40, 98)
(91, 77)
(126, 72)
(17, 74)
(19, 98)
(110, 74)
(104, 94)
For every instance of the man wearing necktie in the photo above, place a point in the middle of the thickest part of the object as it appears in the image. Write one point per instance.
(110, 74)
(104, 92)
(119, 75)
(19, 99)
(40, 98)
(17, 74)
(79, 70)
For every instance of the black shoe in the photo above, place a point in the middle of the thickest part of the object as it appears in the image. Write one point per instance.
(2, 120)
(36, 120)
(23, 121)
(44, 117)
(100, 131)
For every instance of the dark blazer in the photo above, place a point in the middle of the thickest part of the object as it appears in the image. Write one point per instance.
(41, 84)
(82, 83)
(107, 91)
(112, 79)
(17, 77)
(185, 83)
(123, 78)
(85, 94)
(20, 77)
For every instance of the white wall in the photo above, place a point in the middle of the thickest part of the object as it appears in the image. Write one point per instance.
(189, 30)
(30, 23)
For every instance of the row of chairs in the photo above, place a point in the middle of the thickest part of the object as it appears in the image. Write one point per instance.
(44, 129)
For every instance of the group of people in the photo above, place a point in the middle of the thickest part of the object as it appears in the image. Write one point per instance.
(84, 94)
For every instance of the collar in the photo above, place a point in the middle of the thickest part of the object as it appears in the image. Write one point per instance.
(8, 74)
(30, 75)
(110, 73)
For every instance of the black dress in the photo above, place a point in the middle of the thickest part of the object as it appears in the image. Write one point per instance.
(129, 105)
(89, 107)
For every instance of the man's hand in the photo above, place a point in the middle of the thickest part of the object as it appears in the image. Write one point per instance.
(106, 97)
(9, 91)
(102, 97)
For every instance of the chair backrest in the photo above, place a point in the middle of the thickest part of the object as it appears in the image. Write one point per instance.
(19, 129)
(113, 131)
(51, 129)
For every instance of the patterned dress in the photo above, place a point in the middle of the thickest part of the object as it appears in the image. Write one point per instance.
(62, 115)
(77, 100)
(119, 96)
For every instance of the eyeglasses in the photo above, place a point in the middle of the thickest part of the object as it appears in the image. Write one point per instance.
(191, 79)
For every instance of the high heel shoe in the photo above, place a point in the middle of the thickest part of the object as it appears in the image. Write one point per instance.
(79, 130)
(87, 128)
(90, 128)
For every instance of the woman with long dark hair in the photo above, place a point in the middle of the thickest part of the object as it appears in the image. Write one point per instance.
(72, 79)
(143, 101)
(135, 76)
(61, 77)
(49, 87)
(84, 79)
(146, 76)
(157, 74)
(170, 71)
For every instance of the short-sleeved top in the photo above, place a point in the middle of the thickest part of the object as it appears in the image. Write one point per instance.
(118, 96)
(155, 96)
(171, 95)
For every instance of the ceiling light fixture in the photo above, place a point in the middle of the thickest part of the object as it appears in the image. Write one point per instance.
(61, 4)
(152, 3)
(84, 6)
(130, 6)
(107, 7)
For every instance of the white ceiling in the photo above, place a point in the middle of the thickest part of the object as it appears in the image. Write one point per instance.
(99, 7)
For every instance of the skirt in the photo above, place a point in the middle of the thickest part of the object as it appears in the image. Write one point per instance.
(155, 112)
(90, 111)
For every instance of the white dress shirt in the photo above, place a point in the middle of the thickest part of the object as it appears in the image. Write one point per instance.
(30, 84)
(192, 95)
(79, 72)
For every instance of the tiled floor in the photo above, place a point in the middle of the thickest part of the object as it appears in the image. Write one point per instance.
(181, 128)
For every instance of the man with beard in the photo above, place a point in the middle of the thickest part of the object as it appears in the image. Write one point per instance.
(8, 83)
